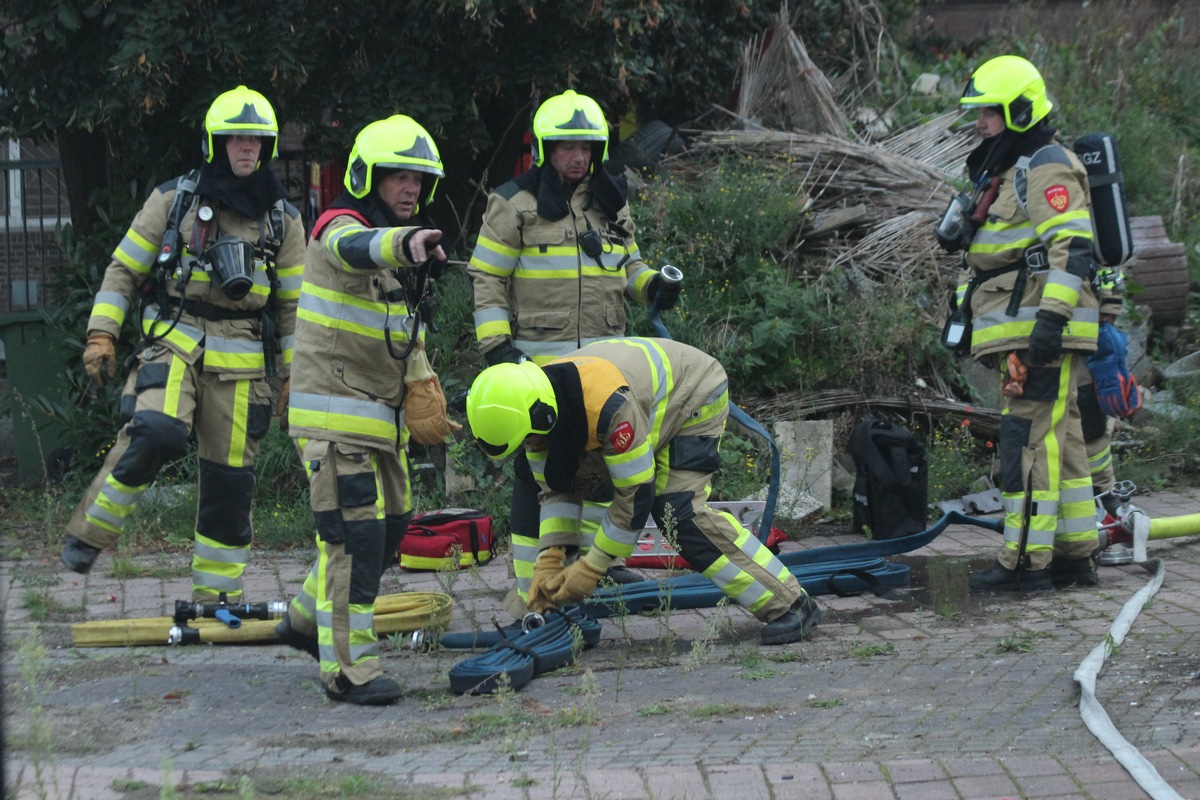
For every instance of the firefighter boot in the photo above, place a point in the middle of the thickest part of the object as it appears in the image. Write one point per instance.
(620, 574)
(379, 691)
(78, 556)
(795, 624)
(295, 639)
(1001, 579)
(1065, 572)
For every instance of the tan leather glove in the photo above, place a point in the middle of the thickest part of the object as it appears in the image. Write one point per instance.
(281, 403)
(579, 579)
(549, 563)
(425, 403)
(100, 358)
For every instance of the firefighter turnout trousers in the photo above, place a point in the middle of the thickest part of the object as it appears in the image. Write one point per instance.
(165, 398)
(362, 501)
(1045, 482)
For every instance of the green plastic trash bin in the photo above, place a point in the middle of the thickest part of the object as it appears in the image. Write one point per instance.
(33, 369)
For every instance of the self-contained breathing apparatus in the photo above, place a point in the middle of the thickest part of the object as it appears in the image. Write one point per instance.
(230, 262)
(1111, 231)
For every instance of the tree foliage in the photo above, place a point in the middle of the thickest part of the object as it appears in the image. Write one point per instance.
(132, 79)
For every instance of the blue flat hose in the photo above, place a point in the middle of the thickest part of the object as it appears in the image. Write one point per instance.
(525, 655)
(841, 569)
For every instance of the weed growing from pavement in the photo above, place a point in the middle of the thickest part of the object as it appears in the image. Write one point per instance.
(704, 646)
(1021, 642)
(656, 710)
(42, 605)
(872, 650)
(829, 702)
(665, 643)
(38, 738)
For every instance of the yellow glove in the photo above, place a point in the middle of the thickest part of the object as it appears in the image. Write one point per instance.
(281, 403)
(425, 403)
(549, 564)
(580, 579)
(100, 358)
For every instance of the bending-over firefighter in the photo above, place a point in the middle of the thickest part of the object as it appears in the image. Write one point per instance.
(643, 417)
(210, 270)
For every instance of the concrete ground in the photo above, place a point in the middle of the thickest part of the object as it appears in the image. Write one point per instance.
(933, 694)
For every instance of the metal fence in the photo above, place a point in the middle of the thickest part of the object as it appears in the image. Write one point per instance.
(33, 206)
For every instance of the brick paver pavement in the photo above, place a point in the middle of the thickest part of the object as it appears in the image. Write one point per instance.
(935, 694)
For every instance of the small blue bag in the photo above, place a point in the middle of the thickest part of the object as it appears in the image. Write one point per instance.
(1116, 389)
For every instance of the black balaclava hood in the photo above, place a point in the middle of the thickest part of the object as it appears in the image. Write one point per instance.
(568, 437)
(996, 155)
(554, 194)
(253, 195)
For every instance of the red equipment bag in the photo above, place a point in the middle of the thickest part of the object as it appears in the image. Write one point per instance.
(447, 538)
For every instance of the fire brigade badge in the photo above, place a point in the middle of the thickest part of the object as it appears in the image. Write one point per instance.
(1058, 197)
(622, 437)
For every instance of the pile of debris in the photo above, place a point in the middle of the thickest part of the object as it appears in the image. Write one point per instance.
(872, 203)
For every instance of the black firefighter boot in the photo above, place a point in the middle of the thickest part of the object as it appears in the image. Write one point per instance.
(1001, 579)
(795, 623)
(1065, 572)
(78, 556)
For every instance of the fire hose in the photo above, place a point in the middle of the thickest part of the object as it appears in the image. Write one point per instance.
(520, 653)
(394, 613)
(839, 569)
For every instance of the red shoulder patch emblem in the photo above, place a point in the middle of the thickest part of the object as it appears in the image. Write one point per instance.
(622, 437)
(1058, 197)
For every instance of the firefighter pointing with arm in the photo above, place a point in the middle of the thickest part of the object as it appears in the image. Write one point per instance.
(643, 417)
(1033, 313)
(361, 384)
(218, 257)
(555, 261)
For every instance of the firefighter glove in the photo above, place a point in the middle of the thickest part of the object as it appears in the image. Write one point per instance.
(1045, 343)
(506, 353)
(425, 412)
(425, 403)
(281, 403)
(579, 579)
(664, 294)
(548, 565)
(100, 358)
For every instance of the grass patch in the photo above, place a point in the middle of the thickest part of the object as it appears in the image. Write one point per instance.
(872, 650)
(1019, 642)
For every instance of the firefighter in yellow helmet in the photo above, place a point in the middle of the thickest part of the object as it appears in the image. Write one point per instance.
(216, 256)
(555, 261)
(645, 418)
(362, 384)
(1028, 291)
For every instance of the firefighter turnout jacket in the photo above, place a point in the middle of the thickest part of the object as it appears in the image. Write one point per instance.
(535, 284)
(646, 416)
(1034, 252)
(226, 333)
(346, 386)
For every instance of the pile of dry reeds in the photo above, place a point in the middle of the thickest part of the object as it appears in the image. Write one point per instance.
(872, 205)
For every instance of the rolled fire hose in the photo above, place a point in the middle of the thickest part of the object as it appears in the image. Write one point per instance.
(525, 654)
(394, 613)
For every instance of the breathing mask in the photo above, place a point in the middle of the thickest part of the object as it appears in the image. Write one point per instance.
(230, 263)
(955, 231)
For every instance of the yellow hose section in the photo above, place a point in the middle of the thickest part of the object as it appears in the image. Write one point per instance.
(1174, 527)
(406, 611)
